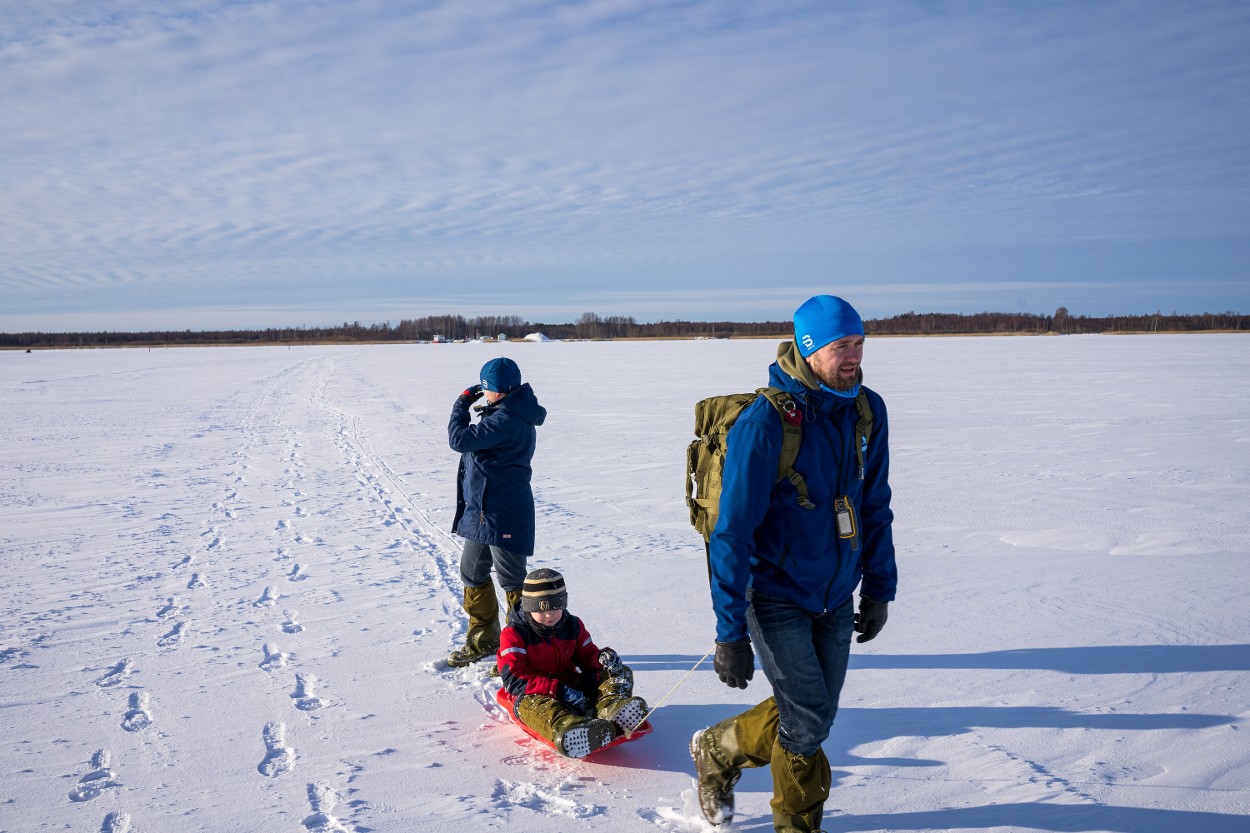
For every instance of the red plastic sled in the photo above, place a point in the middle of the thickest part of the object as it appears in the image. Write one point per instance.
(503, 698)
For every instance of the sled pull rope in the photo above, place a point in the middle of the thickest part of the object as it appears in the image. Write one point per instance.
(668, 694)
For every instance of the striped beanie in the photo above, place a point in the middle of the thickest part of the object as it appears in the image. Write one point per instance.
(544, 590)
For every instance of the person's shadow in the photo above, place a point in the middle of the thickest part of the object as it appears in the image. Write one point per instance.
(674, 724)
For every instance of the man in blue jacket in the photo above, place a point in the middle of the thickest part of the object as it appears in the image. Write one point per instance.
(494, 502)
(784, 575)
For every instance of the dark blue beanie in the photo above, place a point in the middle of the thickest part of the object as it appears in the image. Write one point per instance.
(500, 375)
(822, 320)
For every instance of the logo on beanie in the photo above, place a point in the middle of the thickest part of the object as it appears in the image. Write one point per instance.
(807, 342)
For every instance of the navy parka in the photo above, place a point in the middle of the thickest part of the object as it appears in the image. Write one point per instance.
(494, 502)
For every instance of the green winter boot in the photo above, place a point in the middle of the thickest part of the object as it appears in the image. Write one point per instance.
(718, 765)
(616, 689)
(482, 640)
(800, 789)
(800, 823)
(512, 598)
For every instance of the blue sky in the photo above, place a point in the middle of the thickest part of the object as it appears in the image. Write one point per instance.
(186, 164)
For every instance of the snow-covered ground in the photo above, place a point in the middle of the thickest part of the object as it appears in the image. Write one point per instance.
(228, 581)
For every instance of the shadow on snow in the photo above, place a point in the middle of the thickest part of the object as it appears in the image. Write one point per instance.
(856, 726)
(1105, 659)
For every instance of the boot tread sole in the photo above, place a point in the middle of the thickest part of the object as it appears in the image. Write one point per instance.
(584, 738)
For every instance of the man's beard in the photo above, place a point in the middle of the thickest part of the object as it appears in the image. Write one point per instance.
(839, 382)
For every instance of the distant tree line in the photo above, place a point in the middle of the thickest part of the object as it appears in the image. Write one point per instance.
(943, 323)
(592, 326)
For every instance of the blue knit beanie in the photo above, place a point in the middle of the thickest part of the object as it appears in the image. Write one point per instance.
(500, 375)
(824, 319)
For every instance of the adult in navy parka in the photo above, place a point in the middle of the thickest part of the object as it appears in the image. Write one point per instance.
(494, 502)
(783, 576)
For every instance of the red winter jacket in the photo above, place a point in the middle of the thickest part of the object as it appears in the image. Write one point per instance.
(530, 663)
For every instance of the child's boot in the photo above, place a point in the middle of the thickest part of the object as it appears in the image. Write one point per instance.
(577, 737)
(627, 713)
(616, 688)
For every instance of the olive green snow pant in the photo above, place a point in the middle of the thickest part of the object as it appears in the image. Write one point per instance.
(549, 717)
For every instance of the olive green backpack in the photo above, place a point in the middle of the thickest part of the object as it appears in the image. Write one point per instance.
(705, 456)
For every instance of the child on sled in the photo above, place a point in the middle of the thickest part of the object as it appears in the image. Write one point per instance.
(564, 688)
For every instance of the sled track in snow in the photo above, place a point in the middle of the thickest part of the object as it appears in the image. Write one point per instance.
(435, 541)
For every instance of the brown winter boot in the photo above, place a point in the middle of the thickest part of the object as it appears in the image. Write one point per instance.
(718, 765)
(482, 640)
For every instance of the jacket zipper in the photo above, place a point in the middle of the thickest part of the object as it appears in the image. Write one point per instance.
(837, 541)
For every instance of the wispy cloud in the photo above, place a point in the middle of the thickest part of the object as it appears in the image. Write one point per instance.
(207, 154)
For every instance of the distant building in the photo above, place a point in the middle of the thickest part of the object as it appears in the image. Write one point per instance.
(439, 340)
(502, 337)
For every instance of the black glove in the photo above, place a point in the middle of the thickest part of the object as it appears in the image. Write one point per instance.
(870, 619)
(735, 663)
(574, 699)
(470, 395)
(609, 661)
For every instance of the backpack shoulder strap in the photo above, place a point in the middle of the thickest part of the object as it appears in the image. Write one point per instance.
(791, 437)
(863, 428)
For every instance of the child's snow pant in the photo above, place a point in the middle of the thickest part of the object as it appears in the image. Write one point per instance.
(551, 717)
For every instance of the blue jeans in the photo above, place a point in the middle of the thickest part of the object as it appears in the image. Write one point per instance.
(804, 655)
(476, 561)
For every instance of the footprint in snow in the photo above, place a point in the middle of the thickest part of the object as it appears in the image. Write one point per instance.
(267, 599)
(542, 800)
(290, 625)
(171, 609)
(116, 822)
(138, 716)
(115, 675)
(279, 758)
(297, 573)
(186, 561)
(322, 798)
(174, 637)
(197, 582)
(99, 779)
(12, 653)
(274, 659)
(304, 695)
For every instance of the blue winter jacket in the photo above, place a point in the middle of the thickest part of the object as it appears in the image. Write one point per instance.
(494, 502)
(764, 539)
